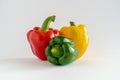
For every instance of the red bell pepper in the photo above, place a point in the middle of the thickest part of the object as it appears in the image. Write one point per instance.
(39, 38)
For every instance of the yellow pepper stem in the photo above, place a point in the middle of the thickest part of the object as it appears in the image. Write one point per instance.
(72, 23)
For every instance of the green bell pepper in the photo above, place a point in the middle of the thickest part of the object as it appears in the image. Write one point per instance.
(61, 51)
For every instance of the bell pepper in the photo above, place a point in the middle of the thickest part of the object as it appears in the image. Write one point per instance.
(61, 51)
(39, 38)
(78, 34)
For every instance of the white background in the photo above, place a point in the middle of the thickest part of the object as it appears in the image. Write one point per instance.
(101, 60)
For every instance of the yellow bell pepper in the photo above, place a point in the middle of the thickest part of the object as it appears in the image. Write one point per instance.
(78, 34)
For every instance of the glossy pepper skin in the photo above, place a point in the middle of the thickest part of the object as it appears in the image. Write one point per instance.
(61, 51)
(39, 38)
(78, 34)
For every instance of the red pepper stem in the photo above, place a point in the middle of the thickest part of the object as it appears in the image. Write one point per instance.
(46, 23)
(72, 23)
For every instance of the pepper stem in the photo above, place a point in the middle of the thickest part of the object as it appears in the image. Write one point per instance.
(72, 23)
(46, 23)
(57, 51)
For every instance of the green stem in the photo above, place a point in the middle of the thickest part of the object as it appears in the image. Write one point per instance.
(46, 23)
(57, 51)
(72, 23)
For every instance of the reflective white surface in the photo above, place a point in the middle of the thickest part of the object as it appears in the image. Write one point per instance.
(101, 61)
